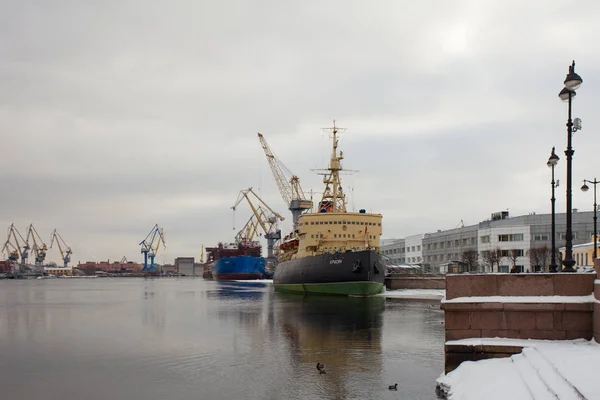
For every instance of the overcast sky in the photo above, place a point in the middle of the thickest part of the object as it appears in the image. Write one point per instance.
(117, 115)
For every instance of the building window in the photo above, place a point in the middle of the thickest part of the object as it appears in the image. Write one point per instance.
(418, 248)
(485, 239)
(510, 253)
(512, 237)
(456, 243)
(541, 236)
(503, 268)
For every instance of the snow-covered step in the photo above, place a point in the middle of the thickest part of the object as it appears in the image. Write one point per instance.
(537, 387)
(550, 375)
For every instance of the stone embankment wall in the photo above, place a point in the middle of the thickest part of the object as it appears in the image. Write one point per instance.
(415, 281)
(520, 306)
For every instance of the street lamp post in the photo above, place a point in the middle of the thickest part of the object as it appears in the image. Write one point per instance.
(572, 83)
(552, 161)
(585, 188)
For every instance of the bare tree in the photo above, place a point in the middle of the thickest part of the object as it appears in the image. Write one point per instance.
(534, 257)
(512, 256)
(538, 257)
(469, 257)
(492, 257)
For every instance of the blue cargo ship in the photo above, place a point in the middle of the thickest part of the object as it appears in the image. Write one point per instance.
(238, 268)
(241, 261)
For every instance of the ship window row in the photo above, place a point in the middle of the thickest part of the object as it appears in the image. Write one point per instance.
(342, 223)
(340, 236)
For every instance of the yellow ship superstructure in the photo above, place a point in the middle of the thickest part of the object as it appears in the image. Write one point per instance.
(351, 237)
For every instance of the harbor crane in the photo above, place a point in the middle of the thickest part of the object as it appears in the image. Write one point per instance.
(263, 217)
(150, 246)
(38, 249)
(16, 249)
(288, 184)
(64, 249)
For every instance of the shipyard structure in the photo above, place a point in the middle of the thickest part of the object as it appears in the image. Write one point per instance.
(499, 244)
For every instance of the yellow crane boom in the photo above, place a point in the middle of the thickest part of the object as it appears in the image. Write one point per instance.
(245, 194)
(38, 249)
(19, 249)
(288, 184)
(263, 216)
(65, 254)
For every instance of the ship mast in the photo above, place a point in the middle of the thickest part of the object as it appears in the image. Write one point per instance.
(334, 199)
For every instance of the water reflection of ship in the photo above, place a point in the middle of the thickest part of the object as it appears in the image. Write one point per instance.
(248, 310)
(231, 290)
(343, 333)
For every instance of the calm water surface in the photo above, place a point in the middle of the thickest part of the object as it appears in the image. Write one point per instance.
(194, 339)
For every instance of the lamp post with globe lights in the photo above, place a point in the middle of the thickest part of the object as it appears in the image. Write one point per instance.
(572, 83)
(552, 161)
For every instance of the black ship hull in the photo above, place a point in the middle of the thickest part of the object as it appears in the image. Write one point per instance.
(354, 273)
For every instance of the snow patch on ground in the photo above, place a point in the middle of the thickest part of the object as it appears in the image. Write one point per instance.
(414, 293)
(522, 299)
(545, 369)
(512, 342)
(254, 281)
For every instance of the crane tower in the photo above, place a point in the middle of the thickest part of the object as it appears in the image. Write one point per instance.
(16, 248)
(63, 248)
(288, 184)
(39, 247)
(150, 246)
(263, 217)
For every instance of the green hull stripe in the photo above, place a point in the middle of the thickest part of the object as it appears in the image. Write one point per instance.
(364, 288)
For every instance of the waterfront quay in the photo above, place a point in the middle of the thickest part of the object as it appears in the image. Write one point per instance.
(183, 338)
(523, 336)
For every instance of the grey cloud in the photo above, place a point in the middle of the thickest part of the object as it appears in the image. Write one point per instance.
(118, 115)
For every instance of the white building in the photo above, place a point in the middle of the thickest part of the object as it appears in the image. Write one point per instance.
(414, 249)
(512, 236)
(513, 242)
(394, 250)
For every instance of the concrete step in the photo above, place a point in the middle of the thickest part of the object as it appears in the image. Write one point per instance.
(551, 377)
(538, 389)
